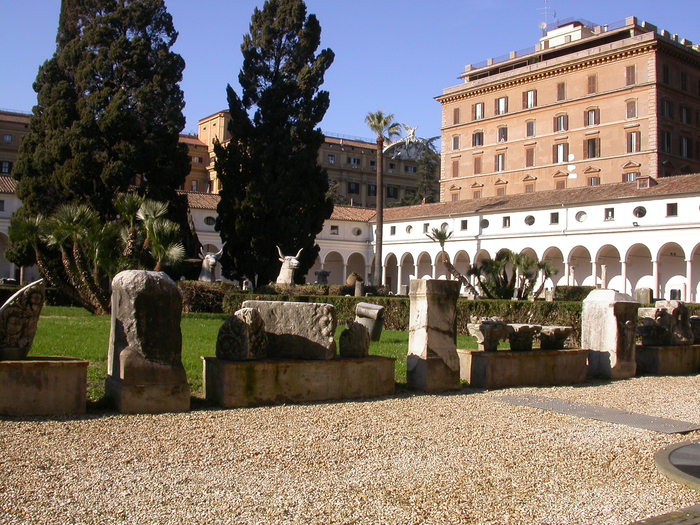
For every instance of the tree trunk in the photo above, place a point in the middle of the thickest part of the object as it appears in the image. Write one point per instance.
(455, 273)
(380, 212)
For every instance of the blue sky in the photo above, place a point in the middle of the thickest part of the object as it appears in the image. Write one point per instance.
(393, 55)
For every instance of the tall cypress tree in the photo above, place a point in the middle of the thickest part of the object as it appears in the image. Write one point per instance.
(108, 113)
(273, 191)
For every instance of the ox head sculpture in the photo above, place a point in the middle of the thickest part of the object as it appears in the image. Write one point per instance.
(289, 264)
(209, 260)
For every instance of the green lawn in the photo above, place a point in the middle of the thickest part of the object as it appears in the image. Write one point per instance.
(73, 332)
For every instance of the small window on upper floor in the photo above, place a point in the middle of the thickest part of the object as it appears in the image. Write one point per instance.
(410, 169)
(630, 177)
(426, 226)
(591, 117)
(672, 209)
(560, 185)
(502, 134)
(529, 188)
(478, 111)
(331, 159)
(634, 142)
(506, 221)
(477, 139)
(464, 224)
(561, 91)
(667, 108)
(529, 157)
(209, 221)
(686, 115)
(392, 165)
(530, 128)
(609, 214)
(501, 106)
(455, 197)
(334, 230)
(455, 116)
(561, 123)
(5, 167)
(631, 109)
(501, 192)
(630, 75)
(476, 194)
(2, 205)
(530, 220)
(593, 181)
(554, 218)
(529, 99)
(354, 188)
(6, 138)
(392, 230)
(455, 143)
(684, 81)
(666, 74)
(592, 84)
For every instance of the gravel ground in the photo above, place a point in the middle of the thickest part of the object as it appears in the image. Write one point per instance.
(409, 459)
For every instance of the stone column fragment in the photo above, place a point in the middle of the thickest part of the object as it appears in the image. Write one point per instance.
(432, 362)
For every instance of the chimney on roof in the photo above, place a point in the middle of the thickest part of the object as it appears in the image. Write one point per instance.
(646, 182)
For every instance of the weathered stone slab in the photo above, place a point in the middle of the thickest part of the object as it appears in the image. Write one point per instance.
(668, 360)
(232, 384)
(43, 386)
(144, 365)
(695, 327)
(372, 317)
(554, 337)
(520, 336)
(354, 341)
(242, 337)
(666, 324)
(19, 317)
(608, 332)
(488, 333)
(297, 330)
(505, 369)
(432, 364)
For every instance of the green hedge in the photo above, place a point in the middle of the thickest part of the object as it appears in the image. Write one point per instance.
(572, 293)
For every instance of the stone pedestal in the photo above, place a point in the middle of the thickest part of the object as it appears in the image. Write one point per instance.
(668, 360)
(43, 386)
(432, 364)
(144, 367)
(508, 368)
(233, 384)
(608, 331)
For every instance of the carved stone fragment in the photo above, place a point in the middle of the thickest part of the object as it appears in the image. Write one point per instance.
(354, 341)
(666, 324)
(554, 337)
(18, 320)
(242, 337)
(488, 333)
(297, 330)
(520, 336)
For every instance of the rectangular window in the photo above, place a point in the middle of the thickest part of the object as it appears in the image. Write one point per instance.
(561, 185)
(502, 134)
(373, 165)
(630, 177)
(392, 165)
(632, 109)
(334, 230)
(634, 142)
(591, 117)
(392, 230)
(591, 148)
(561, 123)
(684, 81)
(193, 185)
(2, 205)
(331, 159)
(6, 137)
(506, 222)
(529, 188)
(529, 157)
(455, 197)
(554, 218)
(478, 111)
(530, 128)
(455, 143)
(464, 224)
(561, 153)
(609, 214)
(392, 192)
(561, 91)
(666, 74)
(371, 190)
(529, 99)
(592, 84)
(5, 167)
(630, 75)
(426, 225)
(354, 188)
(672, 209)
(455, 116)
(667, 108)
(501, 107)
(196, 160)
(499, 162)
(353, 161)
(476, 194)
(686, 147)
(666, 141)
(455, 169)
(477, 139)
(410, 169)
(500, 192)
(593, 181)
(477, 165)
(686, 115)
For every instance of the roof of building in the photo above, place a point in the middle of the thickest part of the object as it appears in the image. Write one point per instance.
(201, 201)
(678, 185)
(7, 185)
(350, 213)
(10, 116)
(349, 142)
(192, 139)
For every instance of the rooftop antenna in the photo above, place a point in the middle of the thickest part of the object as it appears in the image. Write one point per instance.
(543, 25)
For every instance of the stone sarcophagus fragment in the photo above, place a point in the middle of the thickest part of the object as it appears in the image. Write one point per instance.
(19, 317)
(144, 365)
(297, 330)
(242, 337)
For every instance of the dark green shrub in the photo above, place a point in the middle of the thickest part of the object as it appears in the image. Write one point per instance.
(572, 293)
(200, 296)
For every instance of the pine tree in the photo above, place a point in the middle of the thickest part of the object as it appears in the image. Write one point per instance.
(273, 191)
(108, 114)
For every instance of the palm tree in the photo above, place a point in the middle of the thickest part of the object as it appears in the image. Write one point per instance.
(128, 205)
(163, 240)
(442, 236)
(386, 129)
